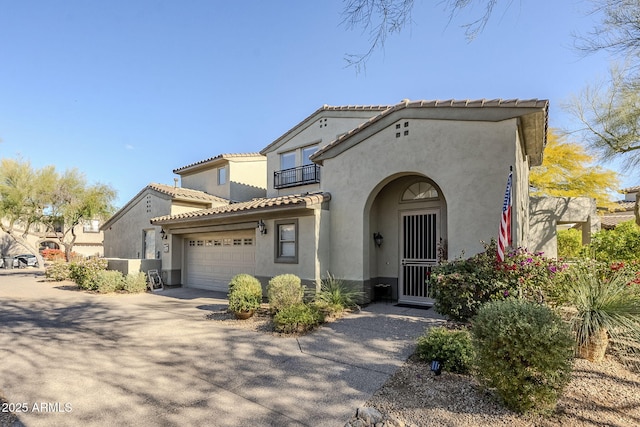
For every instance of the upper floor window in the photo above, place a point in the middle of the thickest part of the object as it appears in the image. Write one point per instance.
(288, 160)
(222, 175)
(308, 152)
(91, 226)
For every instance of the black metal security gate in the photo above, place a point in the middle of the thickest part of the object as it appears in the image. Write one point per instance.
(419, 253)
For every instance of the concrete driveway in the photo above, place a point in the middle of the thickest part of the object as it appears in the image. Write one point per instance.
(69, 358)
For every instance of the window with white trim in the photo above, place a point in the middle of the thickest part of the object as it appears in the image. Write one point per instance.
(286, 241)
(91, 226)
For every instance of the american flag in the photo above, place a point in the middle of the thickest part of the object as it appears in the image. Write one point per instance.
(504, 237)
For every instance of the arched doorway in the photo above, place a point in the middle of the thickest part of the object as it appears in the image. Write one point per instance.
(410, 213)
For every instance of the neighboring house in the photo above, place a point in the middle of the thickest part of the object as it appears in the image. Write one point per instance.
(214, 182)
(624, 211)
(129, 234)
(88, 241)
(235, 177)
(425, 177)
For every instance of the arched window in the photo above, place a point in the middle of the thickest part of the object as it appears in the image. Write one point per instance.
(421, 190)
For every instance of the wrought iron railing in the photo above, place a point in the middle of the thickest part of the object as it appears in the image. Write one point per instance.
(301, 175)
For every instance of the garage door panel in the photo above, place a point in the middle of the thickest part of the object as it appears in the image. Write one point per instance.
(211, 266)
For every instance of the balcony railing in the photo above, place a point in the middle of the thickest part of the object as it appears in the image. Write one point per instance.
(302, 175)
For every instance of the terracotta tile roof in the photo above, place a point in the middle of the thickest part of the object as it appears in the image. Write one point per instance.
(295, 200)
(172, 191)
(218, 157)
(450, 103)
(631, 189)
(184, 193)
(624, 205)
(610, 221)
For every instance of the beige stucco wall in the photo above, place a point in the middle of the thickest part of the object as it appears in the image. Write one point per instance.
(124, 238)
(207, 181)
(547, 212)
(469, 161)
(246, 179)
(313, 248)
(333, 127)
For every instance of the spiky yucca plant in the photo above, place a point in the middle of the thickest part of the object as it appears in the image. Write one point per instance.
(603, 307)
(337, 295)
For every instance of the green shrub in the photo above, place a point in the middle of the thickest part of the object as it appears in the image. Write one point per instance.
(135, 283)
(108, 281)
(452, 348)
(58, 271)
(297, 318)
(284, 290)
(245, 293)
(461, 287)
(336, 295)
(85, 272)
(524, 351)
(619, 244)
(569, 243)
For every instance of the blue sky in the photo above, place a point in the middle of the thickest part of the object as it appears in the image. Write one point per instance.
(126, 91)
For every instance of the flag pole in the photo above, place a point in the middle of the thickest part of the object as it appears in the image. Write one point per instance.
(504, 234)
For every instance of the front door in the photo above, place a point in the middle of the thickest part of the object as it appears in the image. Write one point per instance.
(420, 231)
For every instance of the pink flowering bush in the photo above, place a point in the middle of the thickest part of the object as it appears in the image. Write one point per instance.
(461, 287)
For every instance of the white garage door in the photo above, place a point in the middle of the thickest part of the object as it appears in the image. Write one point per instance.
(212, 260)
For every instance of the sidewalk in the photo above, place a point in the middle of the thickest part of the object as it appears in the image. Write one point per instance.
(154, 359)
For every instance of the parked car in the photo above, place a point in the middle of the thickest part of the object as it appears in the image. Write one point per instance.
(25, 260)
(20, 261)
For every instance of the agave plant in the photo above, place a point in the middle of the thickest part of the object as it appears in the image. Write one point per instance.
(604, 307)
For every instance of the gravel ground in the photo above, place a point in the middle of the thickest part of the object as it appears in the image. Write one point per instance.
(604, 394)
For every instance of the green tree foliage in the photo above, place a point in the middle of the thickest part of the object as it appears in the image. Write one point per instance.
(568, 171)
(619, 244)
(569, 243)
(30, 197)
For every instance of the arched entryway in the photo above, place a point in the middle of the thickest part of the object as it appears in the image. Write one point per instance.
(410, 214)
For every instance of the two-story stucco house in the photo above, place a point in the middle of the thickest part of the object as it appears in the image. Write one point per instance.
(427, 178)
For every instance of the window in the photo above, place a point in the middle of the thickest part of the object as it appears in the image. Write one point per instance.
(420, 191)
(286, 241)
(91, 226)
(288, 160)
(149, 244)
(222, 175)
(308, 152)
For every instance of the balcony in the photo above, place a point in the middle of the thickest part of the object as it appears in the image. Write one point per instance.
(302, 175)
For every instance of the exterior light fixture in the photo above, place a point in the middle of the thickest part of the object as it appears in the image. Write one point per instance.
(377, 238)
(262, 227)
(163, 234)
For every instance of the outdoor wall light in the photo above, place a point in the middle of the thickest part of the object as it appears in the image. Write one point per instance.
(163, 234)
(262, 227)
(377, 237)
